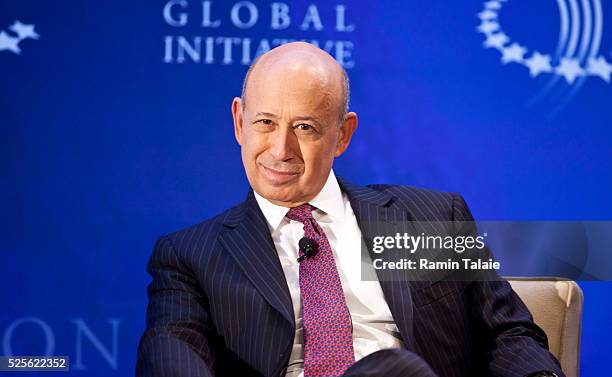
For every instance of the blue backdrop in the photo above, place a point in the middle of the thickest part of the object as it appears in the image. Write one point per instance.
(116, 128)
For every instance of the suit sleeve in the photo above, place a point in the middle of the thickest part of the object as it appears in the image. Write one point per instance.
(177, 339)
(514, 345)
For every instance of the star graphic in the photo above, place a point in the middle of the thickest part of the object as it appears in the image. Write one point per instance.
(487, 15)
(492, 4)
(496, 40)
(24, 31)
(538, 63)
(600, 67)
(513, 53)
(488, 26)
(570, 69)
(9, 43)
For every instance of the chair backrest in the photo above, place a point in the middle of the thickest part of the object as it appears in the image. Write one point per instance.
(556, 306)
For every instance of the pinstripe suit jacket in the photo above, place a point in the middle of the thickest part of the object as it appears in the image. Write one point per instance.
(219, 304)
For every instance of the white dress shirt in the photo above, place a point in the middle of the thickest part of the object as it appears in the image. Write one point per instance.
(373, 326)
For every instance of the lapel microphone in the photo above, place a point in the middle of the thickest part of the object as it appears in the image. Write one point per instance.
(308, 248)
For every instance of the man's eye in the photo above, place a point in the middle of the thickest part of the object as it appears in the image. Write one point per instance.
(267, 122)
(305, 127)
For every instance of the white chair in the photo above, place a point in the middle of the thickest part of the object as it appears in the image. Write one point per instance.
(556, 306)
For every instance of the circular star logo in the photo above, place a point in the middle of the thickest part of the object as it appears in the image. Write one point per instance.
(19, 32)
(573, 62)
(577, 55)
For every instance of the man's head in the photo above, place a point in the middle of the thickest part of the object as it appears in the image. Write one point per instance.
(292, 121)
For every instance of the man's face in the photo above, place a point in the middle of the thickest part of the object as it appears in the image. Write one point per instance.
(289, 132)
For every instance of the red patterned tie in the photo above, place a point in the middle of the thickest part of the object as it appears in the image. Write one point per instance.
(328, 331)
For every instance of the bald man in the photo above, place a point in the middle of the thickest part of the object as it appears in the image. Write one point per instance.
(272, 287)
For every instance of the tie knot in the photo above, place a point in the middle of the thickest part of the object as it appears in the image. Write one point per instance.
(300, 213)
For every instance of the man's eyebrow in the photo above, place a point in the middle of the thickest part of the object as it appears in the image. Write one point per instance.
(264, 114)
(306, 117)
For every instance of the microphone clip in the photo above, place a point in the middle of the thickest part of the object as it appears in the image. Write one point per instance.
(308, 248)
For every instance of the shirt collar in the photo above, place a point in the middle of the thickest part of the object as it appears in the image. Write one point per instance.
(328, 200)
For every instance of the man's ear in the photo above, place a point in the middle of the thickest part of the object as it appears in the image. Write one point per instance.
(348, 126)
(237, 115)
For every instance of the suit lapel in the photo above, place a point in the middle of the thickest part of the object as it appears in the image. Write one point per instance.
(375, 213)
(247, 238)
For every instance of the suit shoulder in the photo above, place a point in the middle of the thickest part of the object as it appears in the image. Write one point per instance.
(415, 192)
(203, 235)
(424, 204)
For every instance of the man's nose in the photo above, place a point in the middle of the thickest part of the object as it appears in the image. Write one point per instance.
(282, 145)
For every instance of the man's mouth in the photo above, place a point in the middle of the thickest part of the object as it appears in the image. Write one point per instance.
(278, 176)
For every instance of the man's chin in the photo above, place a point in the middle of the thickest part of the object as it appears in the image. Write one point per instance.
(282, 196)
